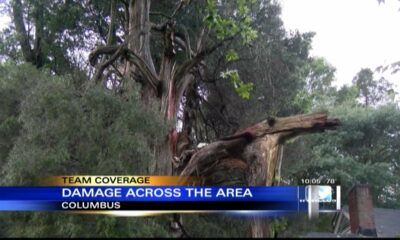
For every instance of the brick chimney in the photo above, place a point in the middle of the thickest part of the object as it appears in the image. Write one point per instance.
(361, 211)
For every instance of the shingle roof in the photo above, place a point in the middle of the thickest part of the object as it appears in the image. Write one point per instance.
(387, 222)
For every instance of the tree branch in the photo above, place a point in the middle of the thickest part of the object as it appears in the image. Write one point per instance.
(122, 50)
(234, 146)
(101, 50)
(111, 29)
(103, 66)
(144, 69)
(160, 14)
(179, 7)
(188, 65)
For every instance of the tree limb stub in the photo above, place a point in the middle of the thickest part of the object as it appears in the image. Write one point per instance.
(256, 146)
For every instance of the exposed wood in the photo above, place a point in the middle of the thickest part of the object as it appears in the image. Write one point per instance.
(201, 160)
(259, 227)
(258, 145)
(256, 152)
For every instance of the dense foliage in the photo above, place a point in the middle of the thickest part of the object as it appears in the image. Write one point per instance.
(49, 127)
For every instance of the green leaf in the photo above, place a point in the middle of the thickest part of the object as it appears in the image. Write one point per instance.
(244, 89)
(241, 88)
(231, 55)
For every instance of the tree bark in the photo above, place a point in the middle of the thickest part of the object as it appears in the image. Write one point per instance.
(260, 228)
(138, 41)
(258, 147)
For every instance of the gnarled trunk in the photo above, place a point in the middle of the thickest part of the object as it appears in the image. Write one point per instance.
(259, 148)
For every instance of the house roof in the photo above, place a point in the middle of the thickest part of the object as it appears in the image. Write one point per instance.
(387, 222)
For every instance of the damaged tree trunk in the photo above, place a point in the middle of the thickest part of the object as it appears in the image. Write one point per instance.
(251, 155)
(256, 150)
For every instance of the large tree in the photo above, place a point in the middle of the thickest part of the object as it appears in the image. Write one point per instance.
(152, 47)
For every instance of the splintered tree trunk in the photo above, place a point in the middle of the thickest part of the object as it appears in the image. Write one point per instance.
(262, 173)
(258, 147)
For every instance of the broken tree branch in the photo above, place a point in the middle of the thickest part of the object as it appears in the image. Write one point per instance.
(257, 145)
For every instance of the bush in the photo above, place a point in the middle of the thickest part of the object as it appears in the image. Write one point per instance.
(49, 127)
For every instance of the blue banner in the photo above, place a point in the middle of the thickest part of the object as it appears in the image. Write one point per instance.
(157, 198)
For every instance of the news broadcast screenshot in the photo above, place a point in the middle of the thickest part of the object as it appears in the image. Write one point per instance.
(199, 119)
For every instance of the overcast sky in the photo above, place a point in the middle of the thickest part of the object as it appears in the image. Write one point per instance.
(350, 34)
